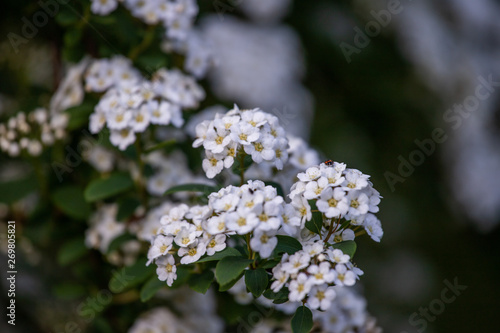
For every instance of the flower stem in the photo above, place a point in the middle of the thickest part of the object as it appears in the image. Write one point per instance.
(146, 41)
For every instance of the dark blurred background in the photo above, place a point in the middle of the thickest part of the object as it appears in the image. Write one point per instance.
(441, 222)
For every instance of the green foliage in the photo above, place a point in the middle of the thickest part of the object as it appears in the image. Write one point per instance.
(201, 282)
(151, 287)
(15, 190)
(302, 320)
(104, 188)
(70, 200)
(287, 244)
(229, 270)
(256, 281)
(71, 251)
(128, 277)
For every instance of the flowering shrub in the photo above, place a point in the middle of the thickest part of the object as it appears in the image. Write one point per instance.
(193, 204)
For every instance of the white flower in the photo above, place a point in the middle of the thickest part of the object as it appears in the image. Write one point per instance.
(373, 227)
(354, 180)
(216, 140)
(264, 242)
(344, 277)
(192, 253)
(212, 165)
(215, 225)
(303, 207)
(358, 203)
(299, 288)
(166, 269)
(296, 262)
(281, 277)
(186, 236)
(122, 138)
(118, 119)
(241, 221)
(311, 173)
(244, 133)
(140, 119)
(103, 7)
(322, 273)
(160, 246)
(161, 113)
(333, 202)
(338, 256)
(216, 244)
(262, 149)
(314, 188)
(321, 297)
(291, 220)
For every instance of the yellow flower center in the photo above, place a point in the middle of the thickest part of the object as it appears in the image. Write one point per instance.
(332, 202)
(354, 203)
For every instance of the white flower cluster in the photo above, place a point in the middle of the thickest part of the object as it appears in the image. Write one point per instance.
(182, 234)
(104, 228)
(31, 132)
(188, 312)
(131, 103)
(177, 16)
(238, 133)
(339, 193)
(251, 208)
(311, 272)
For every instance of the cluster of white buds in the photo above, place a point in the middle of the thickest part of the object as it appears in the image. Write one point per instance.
(311, 272)
(238, 133)
(182, 235)
(31, 132)
(131, 103)
(252, 208)
(338, 193)
(177, 16)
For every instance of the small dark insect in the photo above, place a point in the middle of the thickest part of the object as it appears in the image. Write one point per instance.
(250, 190)
(328, 162)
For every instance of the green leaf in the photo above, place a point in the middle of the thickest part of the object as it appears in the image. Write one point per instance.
(348, 247)
(237, 167)
(126, 207)
(15, 190)
(201, 282)
(183, 273)
(67, 17)
(277, 186)
(68, 290)
(302, 320)
(229, 269)
(228, 251)
(79, 115)
(278, 298)
(192, 188)
(150, 288)
(70, 200)
(161, 145)
(316, 223)
(128, 277)
(71, 251)
(256, 281)
(119, 241)
(72, 37)
(104, 188)
(269, 264)
(287, 244)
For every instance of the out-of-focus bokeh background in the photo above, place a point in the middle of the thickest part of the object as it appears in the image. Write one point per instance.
(368, 82)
